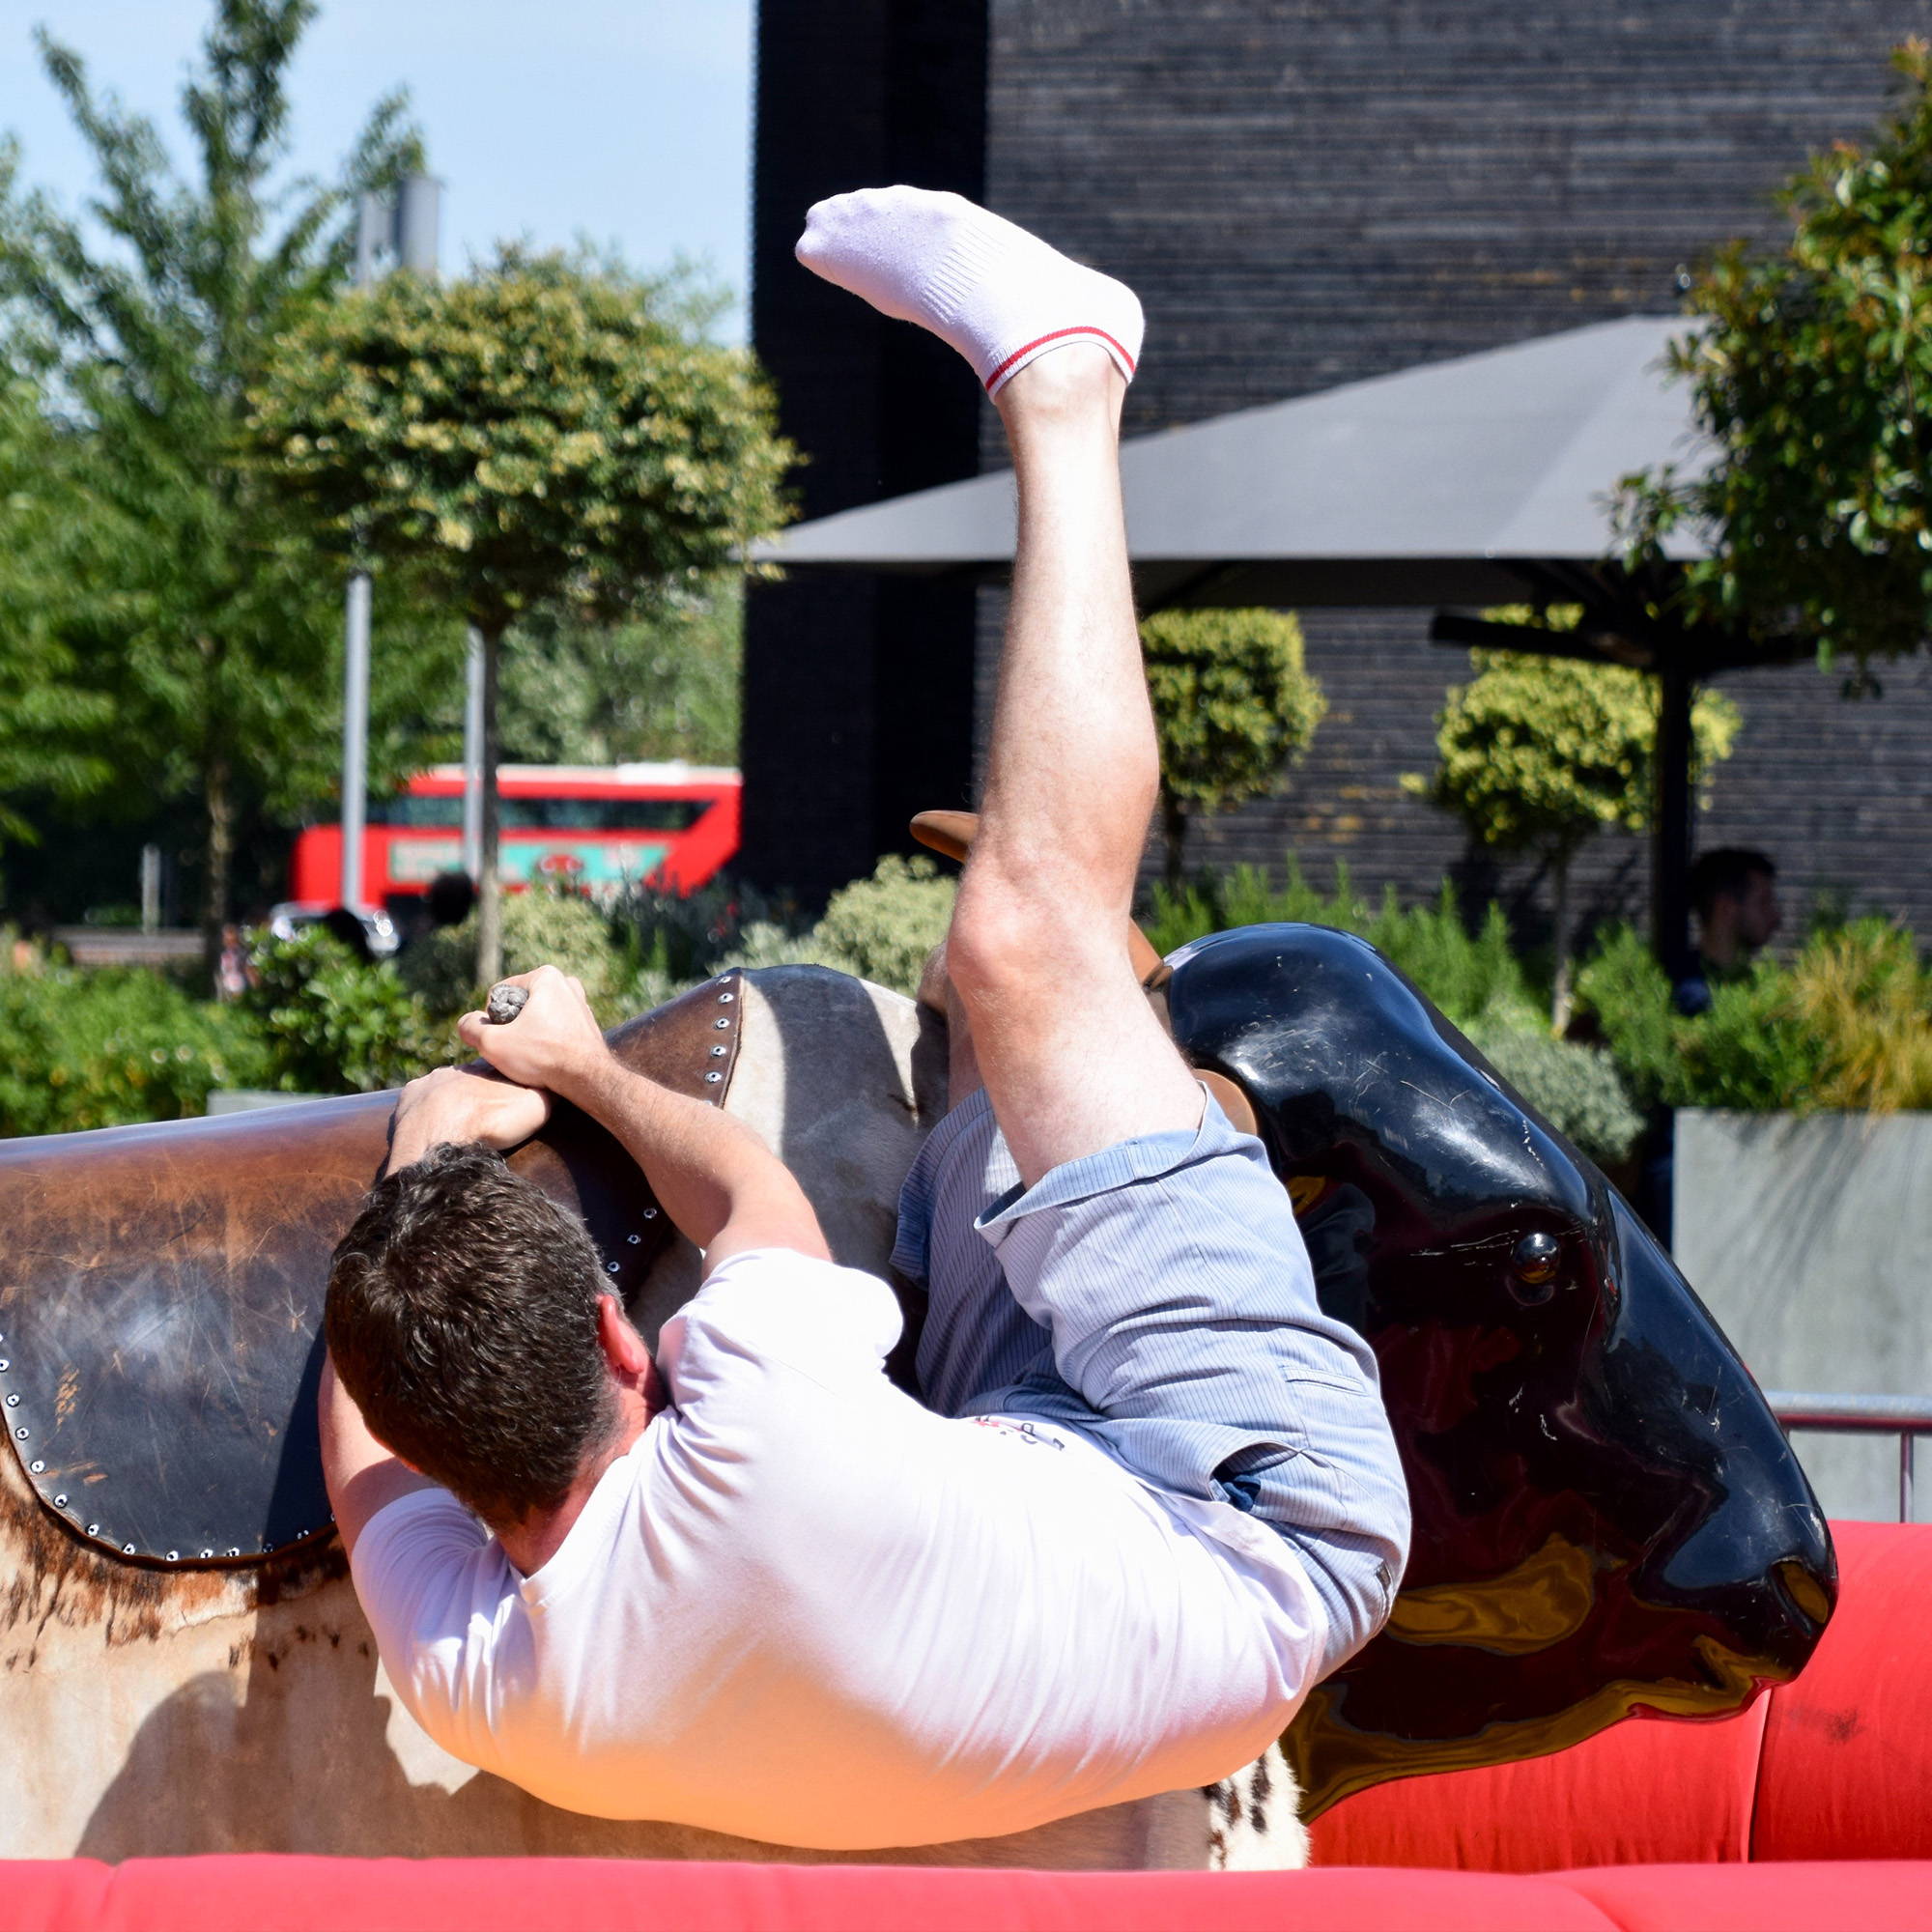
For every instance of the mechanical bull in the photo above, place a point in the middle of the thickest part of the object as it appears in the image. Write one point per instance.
(1607, 1519)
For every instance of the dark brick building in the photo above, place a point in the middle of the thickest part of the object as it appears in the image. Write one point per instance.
(1303, 193)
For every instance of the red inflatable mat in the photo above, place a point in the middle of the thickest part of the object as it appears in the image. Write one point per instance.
(307, 1894)
(1835, 1765)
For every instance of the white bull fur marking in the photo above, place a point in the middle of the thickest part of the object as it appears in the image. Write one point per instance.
(149, 1714)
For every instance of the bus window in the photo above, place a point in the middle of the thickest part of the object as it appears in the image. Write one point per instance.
(431, 812)
(603, 814)
(518, 813)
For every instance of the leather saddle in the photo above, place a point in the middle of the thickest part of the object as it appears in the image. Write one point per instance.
(160, 1305)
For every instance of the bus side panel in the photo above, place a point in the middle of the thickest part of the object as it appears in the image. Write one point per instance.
(315, 867)
(711, 844)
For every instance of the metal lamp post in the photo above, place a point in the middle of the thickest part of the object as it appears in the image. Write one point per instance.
(392, 232)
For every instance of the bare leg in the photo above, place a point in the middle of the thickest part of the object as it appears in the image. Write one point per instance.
(1070, 1055)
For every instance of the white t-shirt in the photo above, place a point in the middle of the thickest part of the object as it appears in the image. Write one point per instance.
(805, 1609)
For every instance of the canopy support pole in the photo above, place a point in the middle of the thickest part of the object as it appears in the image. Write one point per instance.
(1671, 838)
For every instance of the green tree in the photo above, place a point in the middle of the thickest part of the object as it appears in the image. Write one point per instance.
(549, 434)
(1232, 703)
(49, 721)
(659, 686)
(204, 615)
(1812, 372)
(1540, 753)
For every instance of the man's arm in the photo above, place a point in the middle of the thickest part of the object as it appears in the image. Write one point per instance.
(723, 1187)
(362, 1476)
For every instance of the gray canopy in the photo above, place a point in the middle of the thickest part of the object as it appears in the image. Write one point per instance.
(1437, 485)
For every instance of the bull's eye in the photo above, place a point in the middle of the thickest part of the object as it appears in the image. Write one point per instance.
(1533, 1267)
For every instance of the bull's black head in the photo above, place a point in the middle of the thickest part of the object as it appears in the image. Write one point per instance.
(1607, 1517)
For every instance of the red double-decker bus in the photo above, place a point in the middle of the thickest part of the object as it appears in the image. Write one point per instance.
(598, 827)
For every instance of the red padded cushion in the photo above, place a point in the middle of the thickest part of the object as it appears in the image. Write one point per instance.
(1837, 1765)
(1648, 1790)
(1870, 1897)
(305, 1895)
(1847, 1771)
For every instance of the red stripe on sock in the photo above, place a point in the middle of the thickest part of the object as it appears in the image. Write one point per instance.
(1040, 341)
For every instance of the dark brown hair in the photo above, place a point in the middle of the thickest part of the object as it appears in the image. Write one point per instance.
(1724, 872)
(462, 1318)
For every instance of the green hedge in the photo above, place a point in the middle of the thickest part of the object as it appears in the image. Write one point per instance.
(1474, 977)
(1847, 1023)
(112, 1046)
(328, 1023)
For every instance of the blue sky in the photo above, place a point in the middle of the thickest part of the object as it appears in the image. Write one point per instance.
(625, 121)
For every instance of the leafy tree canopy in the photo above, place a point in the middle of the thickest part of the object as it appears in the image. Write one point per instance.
(202, 608)
(1812, 372)
(1232, 703)
(661, 685)
(49, 721)
(547, 432)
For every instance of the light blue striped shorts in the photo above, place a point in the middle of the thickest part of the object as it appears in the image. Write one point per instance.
(1157, 1298)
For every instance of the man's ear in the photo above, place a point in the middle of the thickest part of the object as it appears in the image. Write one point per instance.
(623, 1346)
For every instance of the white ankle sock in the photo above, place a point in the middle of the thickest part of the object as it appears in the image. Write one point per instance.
(998, 294)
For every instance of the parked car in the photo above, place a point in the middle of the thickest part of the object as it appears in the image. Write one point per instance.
(293, 915)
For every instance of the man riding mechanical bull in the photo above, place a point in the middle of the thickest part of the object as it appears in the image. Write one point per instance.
(710, 1582)
(1150, 1497)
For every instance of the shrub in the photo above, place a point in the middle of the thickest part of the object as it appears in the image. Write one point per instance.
(882, 928)
(1467, 975)
(112, 1046)
(673, 942)
(1848, 1024)
(330, 1024)
(1576, 1089)
(539, 928)
(1863, 995)
(1626, 994)
(1752, 1050)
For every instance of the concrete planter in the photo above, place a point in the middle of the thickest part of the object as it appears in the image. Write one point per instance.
(1810, 1239)
(251, 1099)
